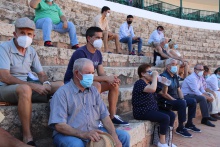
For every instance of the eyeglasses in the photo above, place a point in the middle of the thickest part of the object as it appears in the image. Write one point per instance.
(199, 69)
(149, 71)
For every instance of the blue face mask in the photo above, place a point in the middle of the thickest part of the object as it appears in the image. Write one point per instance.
(173, 69)
(206, 77)
(175, 46)
(166, 46)
(87, 80)
(218, 76)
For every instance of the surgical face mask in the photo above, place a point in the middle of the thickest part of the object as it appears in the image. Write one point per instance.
(166, 46)
(49, 0)
(200, 73)
(97, 43)
(108, 14)
(129, 22)
(207, 76)
(24, 41)
(87, 80)
(159, 31)
(175, 46)
(173, 69)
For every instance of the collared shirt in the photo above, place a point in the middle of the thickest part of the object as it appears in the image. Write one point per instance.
(212, 82)
(43, 10)
(193, 85)
(99, 22)
(155, 37)
(80, 110)
(126, 31)
(173, 88)
(19, 65)
(82, 52)
(142, 102)
(204, 83)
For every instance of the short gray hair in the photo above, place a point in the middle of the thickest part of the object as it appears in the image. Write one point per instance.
(198, 64)
(168, 61)
(80, 63)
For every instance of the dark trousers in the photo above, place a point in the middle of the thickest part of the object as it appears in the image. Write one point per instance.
(202, 103)
(164, 118)
(180, 105)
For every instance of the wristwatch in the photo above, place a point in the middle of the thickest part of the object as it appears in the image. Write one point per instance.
(47, 82)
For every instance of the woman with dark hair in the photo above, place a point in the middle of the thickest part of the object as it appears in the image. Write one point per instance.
(212, 84)
(145, 105)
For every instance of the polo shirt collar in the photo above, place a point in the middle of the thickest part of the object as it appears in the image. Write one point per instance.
(15, 50)
(75, 88)
(168, 74)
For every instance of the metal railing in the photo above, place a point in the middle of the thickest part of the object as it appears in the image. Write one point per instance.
(173, 10)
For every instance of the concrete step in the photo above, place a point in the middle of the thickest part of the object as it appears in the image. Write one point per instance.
(59, 56)
(140, 132)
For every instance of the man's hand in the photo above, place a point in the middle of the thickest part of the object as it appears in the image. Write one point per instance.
(92, 135)
(135, 38)
(65, 25)
(41, 89)
(47, 87)
(208, 97)
(118, 143)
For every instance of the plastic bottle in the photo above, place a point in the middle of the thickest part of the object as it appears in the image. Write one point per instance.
(164, 81)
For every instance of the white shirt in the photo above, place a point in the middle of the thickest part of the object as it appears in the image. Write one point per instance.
(212, 82)
(155, 37)
(126, 31)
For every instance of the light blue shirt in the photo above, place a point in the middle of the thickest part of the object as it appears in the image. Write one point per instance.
(126, 31)
(155, 37)
(193, 85)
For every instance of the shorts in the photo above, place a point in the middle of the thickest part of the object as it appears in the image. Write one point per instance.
(8, 94)
(159, 63)
(153, 44)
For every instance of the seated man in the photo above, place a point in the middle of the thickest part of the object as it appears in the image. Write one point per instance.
(48, 17)
(17, 59)
(155, 37)
(101, 21)
(161, 54)
(102, 82)
(173, 95)
(126, 34)
(77, 108)
(192, 87)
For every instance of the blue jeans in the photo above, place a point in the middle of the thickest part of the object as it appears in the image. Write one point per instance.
(47, 26)
(61, 140)
(130, 41)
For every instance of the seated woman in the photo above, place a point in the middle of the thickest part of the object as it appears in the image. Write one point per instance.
(212, 84)
(145, 105)
(173, 53)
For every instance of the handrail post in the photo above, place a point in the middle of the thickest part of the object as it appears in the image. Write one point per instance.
(142, 4)
(181, 8)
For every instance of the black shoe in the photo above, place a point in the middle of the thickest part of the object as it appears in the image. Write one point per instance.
(216, 116)
(48, 44)
(212, 118)
(119, 122)
(192, 128)
(206, 122)
(183, 132)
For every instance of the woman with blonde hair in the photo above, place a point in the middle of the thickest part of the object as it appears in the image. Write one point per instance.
(174, 53)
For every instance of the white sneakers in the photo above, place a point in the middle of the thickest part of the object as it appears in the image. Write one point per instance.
(161, 145)
(165, 145)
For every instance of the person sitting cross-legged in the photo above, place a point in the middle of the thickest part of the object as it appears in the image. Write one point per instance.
(101, 21)
(77, 108)
(127, 35)
(17, 60)
(192, 87)
(48, 17)
(102, 82)
(145, 105)
(173, 95)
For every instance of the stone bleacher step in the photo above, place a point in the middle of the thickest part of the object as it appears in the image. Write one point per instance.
(140, 132)
(59, 56)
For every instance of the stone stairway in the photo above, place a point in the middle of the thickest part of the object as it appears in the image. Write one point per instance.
(196, 45)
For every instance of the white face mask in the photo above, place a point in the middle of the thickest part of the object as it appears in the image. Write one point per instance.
(200, 73)
(108, 14)
(24, 41)
(49, 0)
(97, 44)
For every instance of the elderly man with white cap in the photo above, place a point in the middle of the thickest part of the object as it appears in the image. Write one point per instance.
(17, 60)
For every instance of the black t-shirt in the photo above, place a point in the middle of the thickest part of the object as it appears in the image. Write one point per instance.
(141, 101)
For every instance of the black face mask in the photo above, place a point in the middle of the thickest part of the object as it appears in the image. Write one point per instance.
(129, 22)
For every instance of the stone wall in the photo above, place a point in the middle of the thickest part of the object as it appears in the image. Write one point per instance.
(197, 45)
